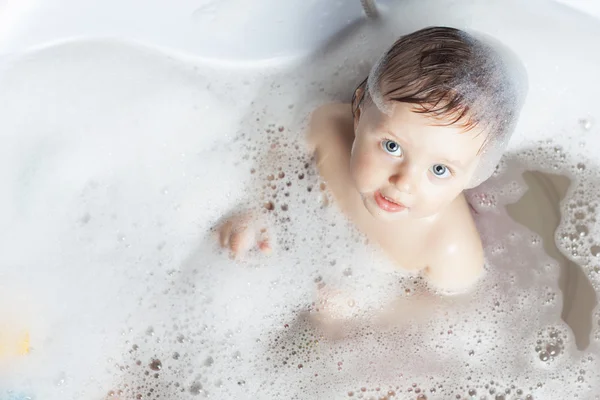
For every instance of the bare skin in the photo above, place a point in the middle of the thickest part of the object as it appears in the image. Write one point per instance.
(435, 234)
(242, 232)
(400, 178)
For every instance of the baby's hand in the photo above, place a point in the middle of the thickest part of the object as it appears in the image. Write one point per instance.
(241, 232)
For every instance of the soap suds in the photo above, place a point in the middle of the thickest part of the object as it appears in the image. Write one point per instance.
(117, 161)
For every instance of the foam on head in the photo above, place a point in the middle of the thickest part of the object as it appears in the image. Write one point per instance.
(458, 78)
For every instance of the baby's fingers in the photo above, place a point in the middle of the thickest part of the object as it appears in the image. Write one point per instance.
(264, 242)
(265, 247)
(225, 231)
(240, 242)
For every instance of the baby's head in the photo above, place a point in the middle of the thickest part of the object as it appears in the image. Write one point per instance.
(432, 119)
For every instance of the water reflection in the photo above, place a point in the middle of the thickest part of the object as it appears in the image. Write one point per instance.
(539, 210)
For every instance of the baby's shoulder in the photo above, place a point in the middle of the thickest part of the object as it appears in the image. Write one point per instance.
(456, 260)
(331, 110)
(329, 121)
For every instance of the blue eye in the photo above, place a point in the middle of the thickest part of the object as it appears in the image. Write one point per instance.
(440, 171)
(391, 147)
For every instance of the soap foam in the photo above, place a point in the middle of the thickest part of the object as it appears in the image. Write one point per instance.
(118, 159)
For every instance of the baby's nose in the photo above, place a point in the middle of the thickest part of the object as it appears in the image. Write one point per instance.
(405, 180)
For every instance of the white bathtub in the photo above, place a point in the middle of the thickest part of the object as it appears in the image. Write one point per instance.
(217, 30)
(119, 123)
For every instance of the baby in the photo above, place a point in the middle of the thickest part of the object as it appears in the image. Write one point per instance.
(431, 120)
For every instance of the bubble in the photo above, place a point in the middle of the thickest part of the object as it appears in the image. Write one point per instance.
(196, 388)
(552, 349)
(209, 361)
(544, 356)
(61, 379)
(595, 250)
(586, 124)
(155, 364)
(582, 230)
(85, 218)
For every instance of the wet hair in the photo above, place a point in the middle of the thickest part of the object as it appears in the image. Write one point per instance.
(451, 76)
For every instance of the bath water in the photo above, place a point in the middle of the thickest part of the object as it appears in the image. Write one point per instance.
(118, 158)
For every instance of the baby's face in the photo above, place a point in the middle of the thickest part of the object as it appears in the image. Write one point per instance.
(406, 166)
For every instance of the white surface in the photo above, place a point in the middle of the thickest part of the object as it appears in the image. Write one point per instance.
(591, 7)
(213, 29)
(217, 30)
(116, 160)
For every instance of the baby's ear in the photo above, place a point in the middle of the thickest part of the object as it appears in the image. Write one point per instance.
(357, 101)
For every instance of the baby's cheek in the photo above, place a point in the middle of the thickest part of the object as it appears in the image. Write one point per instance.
(448, 194)
(365, 172)
(436, 199)
(358, 178)
(357, 165)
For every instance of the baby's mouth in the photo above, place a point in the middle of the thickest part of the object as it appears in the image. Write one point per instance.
(387, 204)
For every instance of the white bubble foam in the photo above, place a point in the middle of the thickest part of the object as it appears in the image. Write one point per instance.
(118, 160)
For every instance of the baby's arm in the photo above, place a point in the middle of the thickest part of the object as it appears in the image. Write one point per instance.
(247, 226)
(330, 137)
(328, 123)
